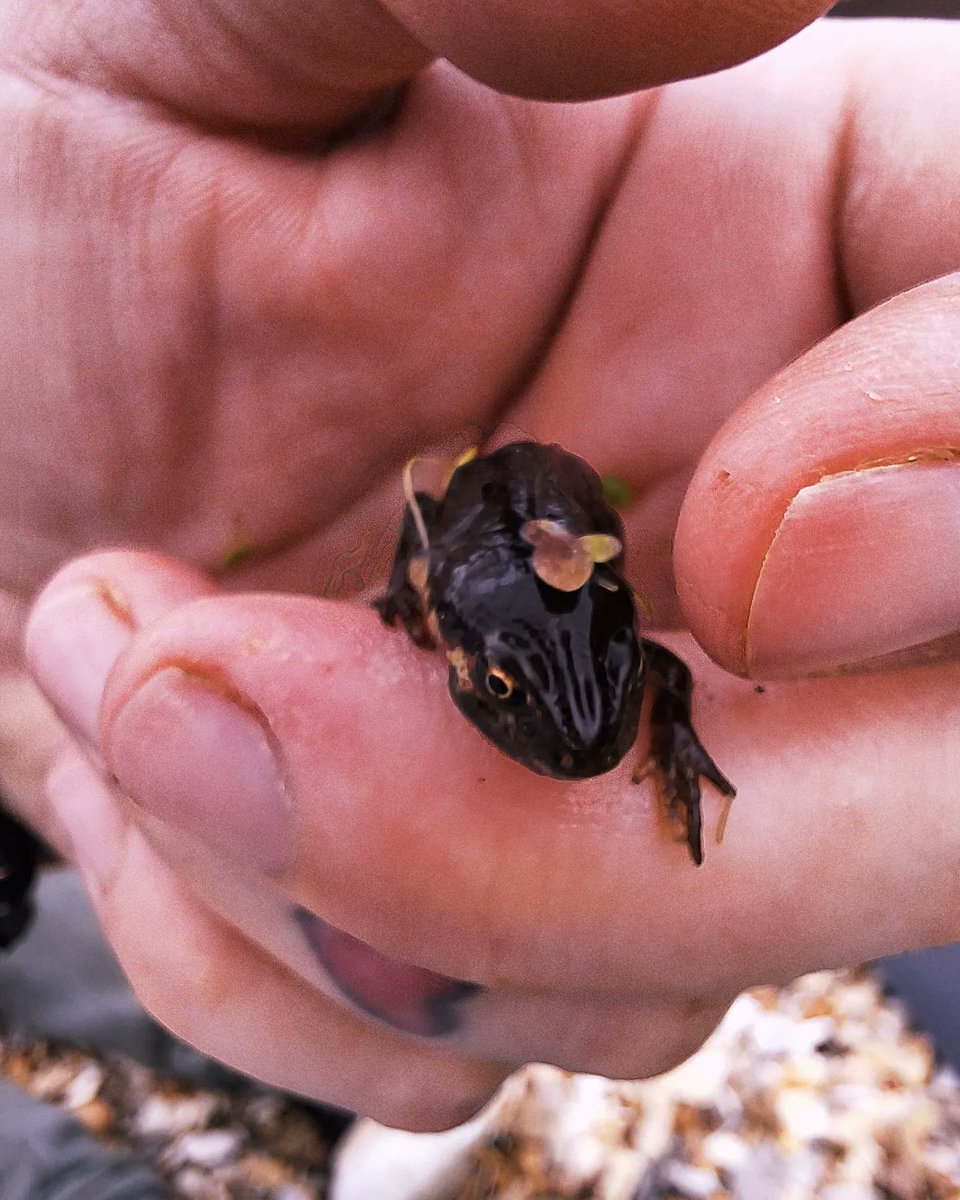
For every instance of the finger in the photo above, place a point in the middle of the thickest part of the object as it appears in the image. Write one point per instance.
(350, 777)
(88, 613)
(249, 65)
(316, 65)
(752, 217)
(839, 549)
(220, 993)
(617, 1036)
(571, 50)
(73, 658)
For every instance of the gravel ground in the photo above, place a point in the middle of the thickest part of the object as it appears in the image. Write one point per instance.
(244, 1144)
(820, 1089)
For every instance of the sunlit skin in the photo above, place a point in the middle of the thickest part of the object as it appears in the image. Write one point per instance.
(223, 334)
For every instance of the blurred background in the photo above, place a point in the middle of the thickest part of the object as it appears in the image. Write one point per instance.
(896, 8)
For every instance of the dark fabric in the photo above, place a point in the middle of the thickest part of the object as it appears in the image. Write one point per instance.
(63, 982)
(19, 853)
(928, 983)
(47, 1155)
(897, 8)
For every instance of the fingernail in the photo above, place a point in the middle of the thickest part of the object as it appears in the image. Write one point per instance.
(188, 749)
(73, 639)
(408, 998)
(863, 564)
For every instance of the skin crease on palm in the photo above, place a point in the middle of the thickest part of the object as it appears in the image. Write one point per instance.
(225, 329)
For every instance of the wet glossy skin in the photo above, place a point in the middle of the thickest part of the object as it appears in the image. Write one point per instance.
(573, 657)
(554, 679)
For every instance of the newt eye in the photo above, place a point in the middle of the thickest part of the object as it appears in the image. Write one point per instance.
(499, 683)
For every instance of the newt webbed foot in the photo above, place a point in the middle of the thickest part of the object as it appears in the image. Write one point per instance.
(677, 754)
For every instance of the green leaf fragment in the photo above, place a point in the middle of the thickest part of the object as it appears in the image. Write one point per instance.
(616, 492)
(601, 547)
(236, 555)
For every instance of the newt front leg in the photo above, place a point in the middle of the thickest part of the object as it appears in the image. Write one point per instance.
(677, 755)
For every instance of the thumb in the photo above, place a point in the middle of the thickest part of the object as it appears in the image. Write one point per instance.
(822, 528)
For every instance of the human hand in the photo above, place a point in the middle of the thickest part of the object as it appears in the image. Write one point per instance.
(244, 344)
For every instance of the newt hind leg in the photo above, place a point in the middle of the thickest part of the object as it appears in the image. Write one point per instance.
(406, 594)
(678, 756)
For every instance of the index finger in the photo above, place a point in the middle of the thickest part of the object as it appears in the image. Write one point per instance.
(399, 825)
(820, 529)
(293, 66)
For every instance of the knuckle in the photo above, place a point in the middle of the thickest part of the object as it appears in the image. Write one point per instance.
(432, 1110)
(647, 1045)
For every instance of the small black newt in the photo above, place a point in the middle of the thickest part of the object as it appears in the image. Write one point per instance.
(516, 572)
